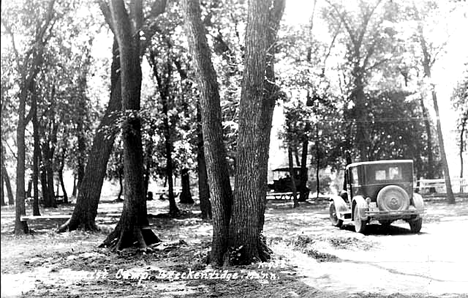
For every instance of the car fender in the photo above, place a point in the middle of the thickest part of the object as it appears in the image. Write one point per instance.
(340, 206)
(418, 202)
(360, 202)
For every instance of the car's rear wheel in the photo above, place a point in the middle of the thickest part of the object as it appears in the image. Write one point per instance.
(393, 198)
(415, 225)
(359, 224)
(336, 222)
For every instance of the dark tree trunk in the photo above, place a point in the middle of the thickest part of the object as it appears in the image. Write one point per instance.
(430, 152)
(361, 115)
(47, 177)
(2, 193)
(292, 174)
(5, 178)
(80, 170)
(36, 157)
(148, 160)
(304, 191)
(448, 182)
(215, 152)
(271, 94)
(21, 227)
(173, 209)
(89, 190)
(164, 92)
(203, 187)
(28, 72)
(87, 202)
(255, 115)
(427, 63)
(462, 144)
(60, 176)
(186, 196)
(133, 226)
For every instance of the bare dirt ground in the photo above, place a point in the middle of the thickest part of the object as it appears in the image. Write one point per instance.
(311, 258)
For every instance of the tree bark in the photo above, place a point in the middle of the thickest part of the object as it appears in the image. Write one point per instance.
(47, 176)
(36, 157)
(462, 144)
(2, 193)
(271, 94)
(185, 196)
(203, 187)
(214, 148)
(304, 191)
(427, 63)
(430, 152)
(292, 174)
(448, 182)
(255, 114)
(6, 179)
(21, 227)
(133, 225)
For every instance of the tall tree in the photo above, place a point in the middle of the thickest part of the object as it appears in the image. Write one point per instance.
(85, 211)
(203, 187)
(428, 58)
(214, 148)
(164, 81)
(5, 179)
(255, 119)
(133, 225)
(460, 103)
(28, 66)
(365, 40)
(237, 236)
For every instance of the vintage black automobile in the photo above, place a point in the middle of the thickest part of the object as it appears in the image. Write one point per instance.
(282, 182)
(378, 190)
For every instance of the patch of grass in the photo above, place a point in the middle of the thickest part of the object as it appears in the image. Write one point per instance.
(350, 242)
(321, 256)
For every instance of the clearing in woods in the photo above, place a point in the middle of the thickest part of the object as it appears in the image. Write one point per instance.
(311, 258)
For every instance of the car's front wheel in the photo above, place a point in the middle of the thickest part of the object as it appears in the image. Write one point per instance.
(416, 225)
(336, 222)
(359, 224)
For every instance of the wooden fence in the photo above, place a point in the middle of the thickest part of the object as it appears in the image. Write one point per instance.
(459, 185)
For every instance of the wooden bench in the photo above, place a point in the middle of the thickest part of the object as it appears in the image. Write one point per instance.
(280, 195)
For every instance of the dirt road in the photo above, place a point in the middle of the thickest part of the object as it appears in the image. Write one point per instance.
(433, 262)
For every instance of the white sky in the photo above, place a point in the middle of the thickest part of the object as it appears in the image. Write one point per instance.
(446, 72)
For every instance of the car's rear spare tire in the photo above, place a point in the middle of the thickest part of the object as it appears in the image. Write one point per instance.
(393, 198)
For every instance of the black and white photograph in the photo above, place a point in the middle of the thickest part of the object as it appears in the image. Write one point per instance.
(234, 148)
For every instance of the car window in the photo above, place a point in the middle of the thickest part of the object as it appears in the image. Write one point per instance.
(380, 175)
(354, 176)
(392, 173)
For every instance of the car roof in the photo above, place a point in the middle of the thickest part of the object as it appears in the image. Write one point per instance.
(391, 161)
